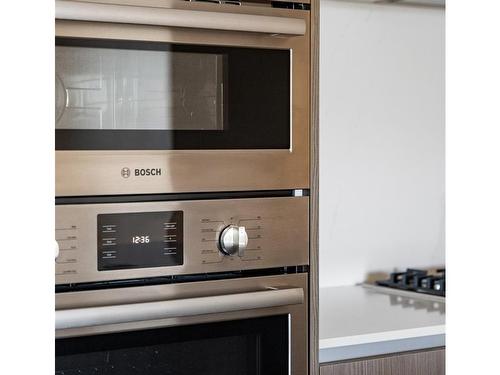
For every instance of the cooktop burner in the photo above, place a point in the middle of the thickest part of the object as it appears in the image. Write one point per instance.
(420, 281)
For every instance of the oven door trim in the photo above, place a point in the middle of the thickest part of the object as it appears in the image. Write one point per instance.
(102, 315)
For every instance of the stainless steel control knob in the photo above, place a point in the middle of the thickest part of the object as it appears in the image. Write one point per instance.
(233, 240)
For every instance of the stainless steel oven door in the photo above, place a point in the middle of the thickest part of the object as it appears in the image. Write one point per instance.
(240, 326)
(175, 96)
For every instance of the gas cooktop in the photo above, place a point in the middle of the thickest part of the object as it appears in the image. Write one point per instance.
(420, 281)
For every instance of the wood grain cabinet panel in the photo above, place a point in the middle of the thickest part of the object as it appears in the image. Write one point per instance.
(314, 193)
(428, 362)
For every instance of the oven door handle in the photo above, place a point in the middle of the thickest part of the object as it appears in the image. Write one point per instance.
(83, 11)
(135, 312)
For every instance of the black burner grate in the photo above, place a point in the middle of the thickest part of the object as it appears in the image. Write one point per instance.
(420, 281)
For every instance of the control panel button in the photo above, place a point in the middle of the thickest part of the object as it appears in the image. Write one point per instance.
(233, 240)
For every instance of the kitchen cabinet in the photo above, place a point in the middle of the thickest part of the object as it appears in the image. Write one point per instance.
(425, 362)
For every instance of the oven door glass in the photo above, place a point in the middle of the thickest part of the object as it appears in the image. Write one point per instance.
(132, 95)
(243, 347)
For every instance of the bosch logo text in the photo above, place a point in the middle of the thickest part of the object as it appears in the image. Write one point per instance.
(147, 172)
(126, 172)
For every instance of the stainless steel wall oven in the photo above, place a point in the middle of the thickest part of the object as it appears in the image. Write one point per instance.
(182, 208)
(212, 286)
(163, 96)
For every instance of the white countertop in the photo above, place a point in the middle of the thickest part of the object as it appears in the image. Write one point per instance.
(364, 320)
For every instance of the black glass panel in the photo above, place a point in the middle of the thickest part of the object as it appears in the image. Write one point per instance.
(244, 347)
(139, 240)
(130, 95)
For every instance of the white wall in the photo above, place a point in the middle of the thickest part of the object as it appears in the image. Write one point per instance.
(381, 139)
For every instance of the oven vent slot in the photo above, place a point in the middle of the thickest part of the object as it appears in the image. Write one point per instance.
(222, 2)
(179, 279)
(273, 4)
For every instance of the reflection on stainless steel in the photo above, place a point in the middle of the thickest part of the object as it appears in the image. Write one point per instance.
(61, 100)
(124, 89)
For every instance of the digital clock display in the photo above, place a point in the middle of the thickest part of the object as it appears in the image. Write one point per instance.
(139, 240)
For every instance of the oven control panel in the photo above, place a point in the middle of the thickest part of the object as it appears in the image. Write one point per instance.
(115, 241)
